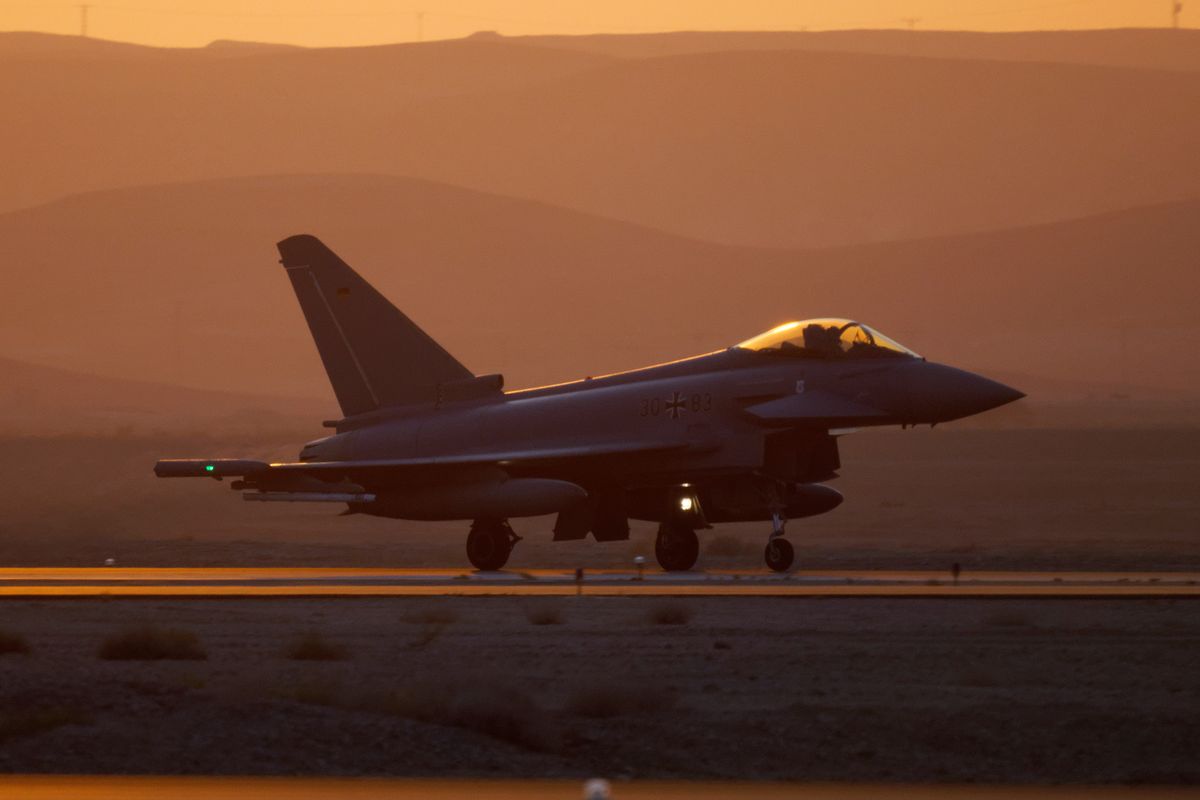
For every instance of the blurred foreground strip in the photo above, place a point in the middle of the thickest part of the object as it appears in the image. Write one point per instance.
(355, 582)
(48, 787)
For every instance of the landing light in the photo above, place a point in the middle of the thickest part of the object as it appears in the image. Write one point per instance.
(685, 504)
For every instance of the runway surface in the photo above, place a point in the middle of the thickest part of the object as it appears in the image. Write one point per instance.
(351, 582)
(154, 788)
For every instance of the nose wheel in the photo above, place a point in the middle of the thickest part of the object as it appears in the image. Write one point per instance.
(489, 544)
(677, 547)
(779, 553)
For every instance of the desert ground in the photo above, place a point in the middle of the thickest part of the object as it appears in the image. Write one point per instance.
(899, 690)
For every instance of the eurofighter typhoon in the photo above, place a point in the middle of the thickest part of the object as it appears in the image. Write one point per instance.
(744, 434)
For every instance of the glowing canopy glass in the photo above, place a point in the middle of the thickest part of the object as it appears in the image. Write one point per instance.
(827, 338)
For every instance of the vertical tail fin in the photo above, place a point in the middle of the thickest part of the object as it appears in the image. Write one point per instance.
(375, 356)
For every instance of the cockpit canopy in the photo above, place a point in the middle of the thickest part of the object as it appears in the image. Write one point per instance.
(827, 338)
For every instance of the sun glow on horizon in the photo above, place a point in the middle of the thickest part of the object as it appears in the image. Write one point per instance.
(325, 23)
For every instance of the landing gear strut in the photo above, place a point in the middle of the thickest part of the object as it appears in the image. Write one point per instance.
(779, 553)
(676, 547)
(489, 544)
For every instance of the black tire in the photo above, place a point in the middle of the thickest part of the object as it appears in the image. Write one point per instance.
(779, 555)
(489, 545)
(677, 547)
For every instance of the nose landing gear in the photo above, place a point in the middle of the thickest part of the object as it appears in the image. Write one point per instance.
(489, 544)
(779, 553)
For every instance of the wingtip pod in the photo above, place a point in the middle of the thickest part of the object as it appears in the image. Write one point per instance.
(207, 467)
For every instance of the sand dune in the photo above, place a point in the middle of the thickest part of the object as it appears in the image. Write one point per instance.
(1146, 48)
(179, 284)
(782, 148)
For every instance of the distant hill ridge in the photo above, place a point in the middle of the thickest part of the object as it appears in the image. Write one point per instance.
(193, 295)
(759, 147)
(1145, 48)
(36, 399)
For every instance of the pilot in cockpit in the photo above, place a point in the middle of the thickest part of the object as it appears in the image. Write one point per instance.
(821, 340)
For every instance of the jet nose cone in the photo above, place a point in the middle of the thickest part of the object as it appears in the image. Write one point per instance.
(1003, 395)
(938, 393)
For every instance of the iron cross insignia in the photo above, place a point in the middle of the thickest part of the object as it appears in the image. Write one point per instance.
(675, 405)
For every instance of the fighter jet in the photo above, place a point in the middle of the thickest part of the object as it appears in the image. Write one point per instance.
(748, 433)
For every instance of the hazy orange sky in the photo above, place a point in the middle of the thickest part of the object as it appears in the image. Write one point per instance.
(353, 22)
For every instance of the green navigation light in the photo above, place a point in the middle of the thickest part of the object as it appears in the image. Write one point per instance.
(209, 467)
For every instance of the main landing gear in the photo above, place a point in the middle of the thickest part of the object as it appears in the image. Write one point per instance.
(677, 546)
(779, 553)
(489, 544)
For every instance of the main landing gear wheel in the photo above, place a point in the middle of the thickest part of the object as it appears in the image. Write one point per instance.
(780, 554)
(489, 544)
(677, 547)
